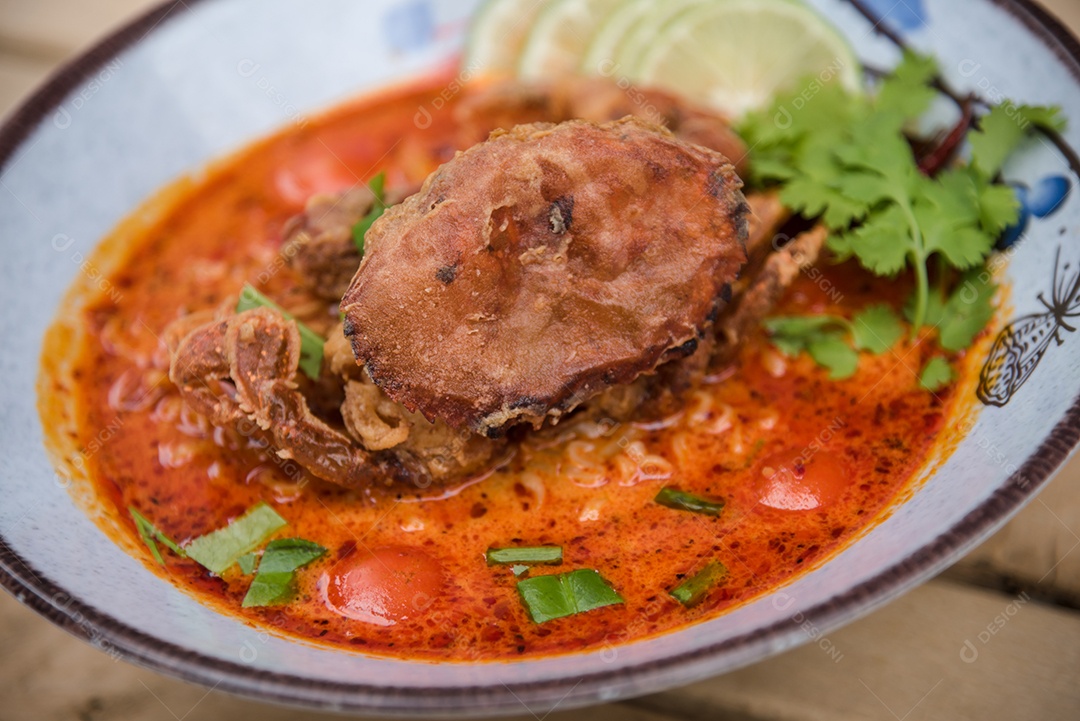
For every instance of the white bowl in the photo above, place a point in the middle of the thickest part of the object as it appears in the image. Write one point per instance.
(189, 82)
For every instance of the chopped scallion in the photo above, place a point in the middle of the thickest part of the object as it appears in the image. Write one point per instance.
(273, 584)
(692, 590)
(683, 501)
(378, 188)
(565, 594)
(151, 534)
(551, 555)
(220, 549)
(311, 343)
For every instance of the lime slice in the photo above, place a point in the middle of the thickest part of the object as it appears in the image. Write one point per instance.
(560, 36)
(736, 55)
(601, 57)
(642, 35)
(497, 35)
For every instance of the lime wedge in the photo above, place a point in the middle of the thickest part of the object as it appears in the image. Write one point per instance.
(601, 57)
(560, 36)
(736, 55)
(497, 35)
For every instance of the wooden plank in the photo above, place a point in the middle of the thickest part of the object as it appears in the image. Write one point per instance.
(53, 29)
(18, 76)
(944, 651)
(1038, 551)
(47, 675)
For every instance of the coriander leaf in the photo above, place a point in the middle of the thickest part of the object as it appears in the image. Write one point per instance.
(273, 584)
(269, 589)
(248, 562)
(967, 312)
(565, 594)
(220, 549)
(311, 343)
(999, 208)
(964, 246)
(907, 91)
(833, 353)
(772, 168)
(813, 198)
(876, 329)
(798, 324)
(936, 375)
(288, 554)
(882, 244)
(377, 185)
(935, 309)
(877, 146)
(796, 332)
(1003, 128)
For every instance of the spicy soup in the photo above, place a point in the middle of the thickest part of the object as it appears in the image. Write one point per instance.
(800, 463)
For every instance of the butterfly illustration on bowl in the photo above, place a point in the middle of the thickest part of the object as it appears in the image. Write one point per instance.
(1021, 345)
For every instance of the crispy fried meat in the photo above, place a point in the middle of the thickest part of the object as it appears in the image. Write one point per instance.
(543, 266)
(241, 371)
(598, 100)
(319, 244)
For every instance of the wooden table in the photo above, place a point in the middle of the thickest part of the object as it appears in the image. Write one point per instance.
(995, 637)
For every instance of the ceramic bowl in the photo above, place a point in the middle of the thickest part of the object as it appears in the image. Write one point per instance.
(190, 81)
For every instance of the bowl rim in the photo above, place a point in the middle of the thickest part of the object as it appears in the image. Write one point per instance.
(33, 588)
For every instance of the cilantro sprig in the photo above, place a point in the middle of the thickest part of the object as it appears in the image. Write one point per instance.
(833, 341)
(845, 160)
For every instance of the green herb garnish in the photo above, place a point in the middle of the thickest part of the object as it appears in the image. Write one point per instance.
(962, 315)
(220, 549)
(936, 375)
(565, 594)
(311, 343)
(378, 189)
(691, 591)
(833, 341)
(683, 501)
(551, 555)
(843, 158)
(274, 583)
(151, 534)
(519, 570)
(248, 562)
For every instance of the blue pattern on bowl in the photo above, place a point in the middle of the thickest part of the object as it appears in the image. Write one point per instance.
(1045, 198)
(907, 15)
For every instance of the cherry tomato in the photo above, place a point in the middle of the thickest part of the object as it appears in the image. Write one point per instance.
(310, 174)
(802, 481)
(386, 586)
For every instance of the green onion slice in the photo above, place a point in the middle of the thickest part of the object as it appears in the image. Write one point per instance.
(151, 534)
(691, 591)
(311, 343)
(274, 583)
(551, 555)
(565, 594)
(220, 549)
(378, 188)
(683, 501)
